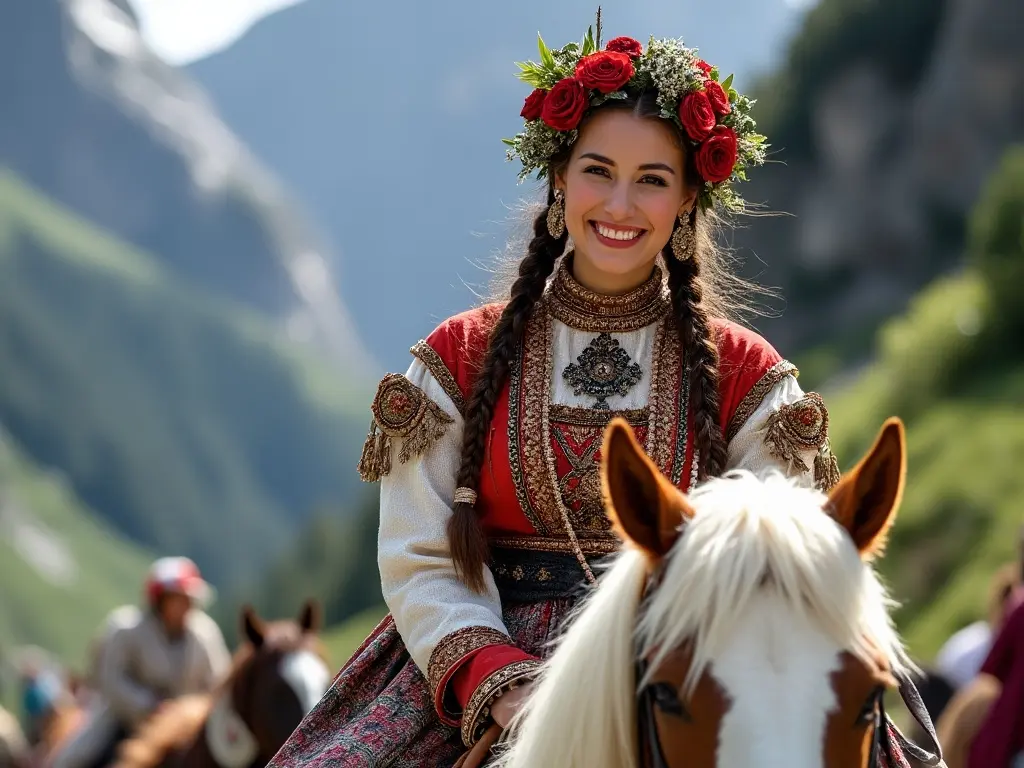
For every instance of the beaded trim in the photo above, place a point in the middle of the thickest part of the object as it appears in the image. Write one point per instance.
(452, 649)
(544, 544)
(587, 417)
(478, 708)
(429, 357)
(757, 393)
(583, 309)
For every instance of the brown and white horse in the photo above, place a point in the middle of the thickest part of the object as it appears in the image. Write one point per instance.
(739, 626)
(277, 676)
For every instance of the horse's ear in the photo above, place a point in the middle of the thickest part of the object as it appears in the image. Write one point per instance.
(866, 499)
(643, 505)
(252, 626)
(310, 616)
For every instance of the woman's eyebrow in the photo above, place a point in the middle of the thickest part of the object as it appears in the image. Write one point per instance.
(645, 167)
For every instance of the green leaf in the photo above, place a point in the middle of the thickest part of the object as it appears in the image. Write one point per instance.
(728, 83)
(509, 142)
(733, 95)
(589, 46)
(570, 48)
(618, 95)
(714, 74)
(545, 53)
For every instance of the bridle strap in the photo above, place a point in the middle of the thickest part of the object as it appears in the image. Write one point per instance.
(932, 756)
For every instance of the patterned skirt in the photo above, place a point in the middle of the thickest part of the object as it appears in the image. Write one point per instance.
(379, 712)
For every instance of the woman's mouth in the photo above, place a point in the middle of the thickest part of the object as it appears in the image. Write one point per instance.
(616, 236)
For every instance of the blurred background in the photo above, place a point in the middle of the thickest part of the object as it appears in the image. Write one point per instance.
(221, 221)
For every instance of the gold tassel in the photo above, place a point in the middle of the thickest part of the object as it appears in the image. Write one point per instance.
(795, 427)
(375, 460)
(826, 469)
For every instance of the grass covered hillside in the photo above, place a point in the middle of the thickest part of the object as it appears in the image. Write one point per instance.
(953, 368)
(186, 422)
(61, 567)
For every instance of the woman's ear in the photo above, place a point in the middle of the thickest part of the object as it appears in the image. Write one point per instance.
(689, 201)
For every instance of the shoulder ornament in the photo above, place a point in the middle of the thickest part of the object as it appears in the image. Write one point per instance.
(400, 410)
(799, 426)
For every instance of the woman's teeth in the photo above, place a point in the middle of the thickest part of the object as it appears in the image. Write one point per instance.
(618, 234)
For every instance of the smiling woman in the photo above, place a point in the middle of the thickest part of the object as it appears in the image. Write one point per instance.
(488, 447)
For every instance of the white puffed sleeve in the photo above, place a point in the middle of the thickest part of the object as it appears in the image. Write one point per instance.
(788, 432)
(441, 620)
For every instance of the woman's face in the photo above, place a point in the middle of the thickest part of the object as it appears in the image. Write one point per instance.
(624, 189)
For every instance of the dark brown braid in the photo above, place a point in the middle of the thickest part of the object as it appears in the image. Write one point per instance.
(465, 534)
(694, 323)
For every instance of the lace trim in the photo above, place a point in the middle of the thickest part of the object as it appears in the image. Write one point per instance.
(585, 310)
(426, 354)
(757, 393)
(478, 709)
(544, 544)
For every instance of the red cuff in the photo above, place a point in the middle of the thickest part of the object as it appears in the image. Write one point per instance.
(480, 665)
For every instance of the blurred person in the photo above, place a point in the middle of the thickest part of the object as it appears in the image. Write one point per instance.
(1000, 740)
(491, 512)
(962, 655)
(171, 649)
(41, 691)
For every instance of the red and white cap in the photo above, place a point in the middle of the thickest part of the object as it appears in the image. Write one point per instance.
(178, 575)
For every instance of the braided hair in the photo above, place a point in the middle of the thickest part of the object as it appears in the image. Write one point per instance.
(697, 286)
(465, 534)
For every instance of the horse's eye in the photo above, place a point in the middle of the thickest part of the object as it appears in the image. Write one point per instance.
(869, 712)
(666, 698)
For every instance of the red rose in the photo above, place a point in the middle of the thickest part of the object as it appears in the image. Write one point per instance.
(718, 97)
(534, 104)
(716, 157)
(564, 104)
(697, 115)
(605, 71)
(626, 45)
(704, 66)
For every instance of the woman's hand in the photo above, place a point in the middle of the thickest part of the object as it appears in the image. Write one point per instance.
(506, 705)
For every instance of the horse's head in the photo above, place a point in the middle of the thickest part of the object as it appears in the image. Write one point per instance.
(279, 675)
(751, 623)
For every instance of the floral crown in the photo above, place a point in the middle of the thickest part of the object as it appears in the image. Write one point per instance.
(711, 114)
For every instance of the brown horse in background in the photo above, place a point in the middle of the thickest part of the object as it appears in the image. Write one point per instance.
(276, 677)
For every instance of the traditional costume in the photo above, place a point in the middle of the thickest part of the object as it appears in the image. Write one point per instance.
(418, 691)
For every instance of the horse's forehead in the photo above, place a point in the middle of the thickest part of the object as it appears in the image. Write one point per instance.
(307, 675)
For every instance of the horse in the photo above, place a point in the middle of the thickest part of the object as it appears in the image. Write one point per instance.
(277, 676)
(740, 625)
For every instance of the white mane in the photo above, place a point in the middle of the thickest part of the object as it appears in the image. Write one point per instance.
(747, 537)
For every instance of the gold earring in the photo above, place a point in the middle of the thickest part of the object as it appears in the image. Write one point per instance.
(683, 240)
(556, 216)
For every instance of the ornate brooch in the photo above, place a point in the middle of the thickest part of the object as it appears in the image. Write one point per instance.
(602, 369)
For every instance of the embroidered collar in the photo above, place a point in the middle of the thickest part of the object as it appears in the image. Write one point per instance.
(583, 309)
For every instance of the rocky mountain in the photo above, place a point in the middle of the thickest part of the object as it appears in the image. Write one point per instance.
(386, 120)
(90, 117)
(884, 118)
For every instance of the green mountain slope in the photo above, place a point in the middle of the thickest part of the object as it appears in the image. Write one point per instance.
(953, 369)
(61, 568)
(188, 423)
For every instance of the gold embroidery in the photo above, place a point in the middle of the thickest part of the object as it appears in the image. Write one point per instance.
(757, 393)
(549, 544)
(454, 647)
(402, 410)
(478, 708)
(668, 426)
(583, 498)
(797, 427)
(439, 370)
(587, 417)
(582, 309)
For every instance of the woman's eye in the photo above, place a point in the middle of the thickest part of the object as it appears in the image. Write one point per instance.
(599, 170)
(656, 180)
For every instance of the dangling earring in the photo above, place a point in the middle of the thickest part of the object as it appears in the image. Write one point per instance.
(556, 216)
(683, 240)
